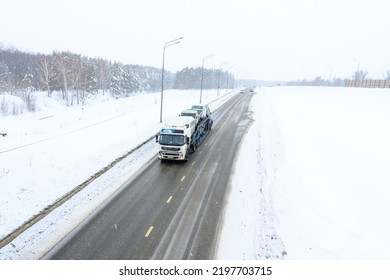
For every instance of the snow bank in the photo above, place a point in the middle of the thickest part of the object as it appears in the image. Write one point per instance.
(11, 105)
(249, 221)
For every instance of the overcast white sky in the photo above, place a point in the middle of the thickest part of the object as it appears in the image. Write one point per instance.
(261, 39)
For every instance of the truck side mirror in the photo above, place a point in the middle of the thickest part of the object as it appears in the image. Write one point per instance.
(187, 140)
(156, 138)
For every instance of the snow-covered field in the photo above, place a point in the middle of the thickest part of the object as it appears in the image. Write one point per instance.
(317, 186)
(320, 188)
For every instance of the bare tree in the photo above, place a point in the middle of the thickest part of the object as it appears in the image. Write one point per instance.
(74, 77)
(359, 75)
(46, 72)
(103, 75)
(3, 76)
(63, 71)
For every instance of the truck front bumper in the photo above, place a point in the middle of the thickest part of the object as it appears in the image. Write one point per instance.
(171, 155)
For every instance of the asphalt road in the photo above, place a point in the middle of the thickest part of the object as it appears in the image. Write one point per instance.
(169, 210)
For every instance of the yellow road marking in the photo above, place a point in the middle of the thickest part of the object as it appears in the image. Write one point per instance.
(182, 179)
(169, 199)
(149, 231)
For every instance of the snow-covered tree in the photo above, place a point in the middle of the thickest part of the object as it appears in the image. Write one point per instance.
(116, 79)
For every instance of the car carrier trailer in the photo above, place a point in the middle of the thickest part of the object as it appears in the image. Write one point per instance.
(181, 136)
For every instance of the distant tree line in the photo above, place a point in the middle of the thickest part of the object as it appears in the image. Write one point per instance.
(358, 75)
(76, 76)
(73, 75)
(212, 78)
(318, 81)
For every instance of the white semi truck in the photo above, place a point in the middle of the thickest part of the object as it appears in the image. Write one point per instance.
(180, 136)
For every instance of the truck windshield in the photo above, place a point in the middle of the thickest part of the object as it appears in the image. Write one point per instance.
(173, 140)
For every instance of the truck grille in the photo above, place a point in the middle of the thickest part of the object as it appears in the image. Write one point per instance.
(170, 149)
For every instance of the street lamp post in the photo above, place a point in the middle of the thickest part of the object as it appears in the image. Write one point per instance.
(201, 77)
(166, 45)
(219, 75)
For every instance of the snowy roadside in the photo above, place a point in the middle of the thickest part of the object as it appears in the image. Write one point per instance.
(72, 150)
(319, 184)
(248, 230)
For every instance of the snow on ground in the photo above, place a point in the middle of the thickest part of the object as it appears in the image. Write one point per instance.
(320, 185)
(248, 230)
(310, 181)
(48, 153)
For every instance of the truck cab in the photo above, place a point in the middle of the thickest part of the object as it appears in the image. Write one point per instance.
(175, 138)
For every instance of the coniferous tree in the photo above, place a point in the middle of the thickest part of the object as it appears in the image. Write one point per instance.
(116, 80)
